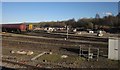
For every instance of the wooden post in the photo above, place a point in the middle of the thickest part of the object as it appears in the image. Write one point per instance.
(97, 54)
(88, 53)
(79, 51)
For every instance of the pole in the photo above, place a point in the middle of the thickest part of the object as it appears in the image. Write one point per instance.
(67, 32)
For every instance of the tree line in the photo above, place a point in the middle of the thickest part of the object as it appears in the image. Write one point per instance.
(96, 23)
(106, 22)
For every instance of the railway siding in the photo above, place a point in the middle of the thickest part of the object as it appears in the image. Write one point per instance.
(57, 39)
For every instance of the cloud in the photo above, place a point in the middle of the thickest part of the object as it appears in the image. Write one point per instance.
(108, 13)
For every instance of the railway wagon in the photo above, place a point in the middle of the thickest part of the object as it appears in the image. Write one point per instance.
(29, 27)
(16, 28)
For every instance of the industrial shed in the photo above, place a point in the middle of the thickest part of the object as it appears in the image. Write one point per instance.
(114, 48)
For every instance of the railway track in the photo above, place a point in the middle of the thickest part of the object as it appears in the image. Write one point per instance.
(49, 43)
(52, 40)
(70, 36)
(20, 65)
(60, 36)
(36, 66)
(41, 43)
(56, 40)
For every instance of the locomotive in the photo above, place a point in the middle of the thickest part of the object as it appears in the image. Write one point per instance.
(17, 28)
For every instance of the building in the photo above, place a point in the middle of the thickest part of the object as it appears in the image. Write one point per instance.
(114, 48)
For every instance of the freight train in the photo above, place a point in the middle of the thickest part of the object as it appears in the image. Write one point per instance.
(17, 28)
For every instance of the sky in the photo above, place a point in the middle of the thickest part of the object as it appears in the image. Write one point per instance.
(54, 11)
(60, 0)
